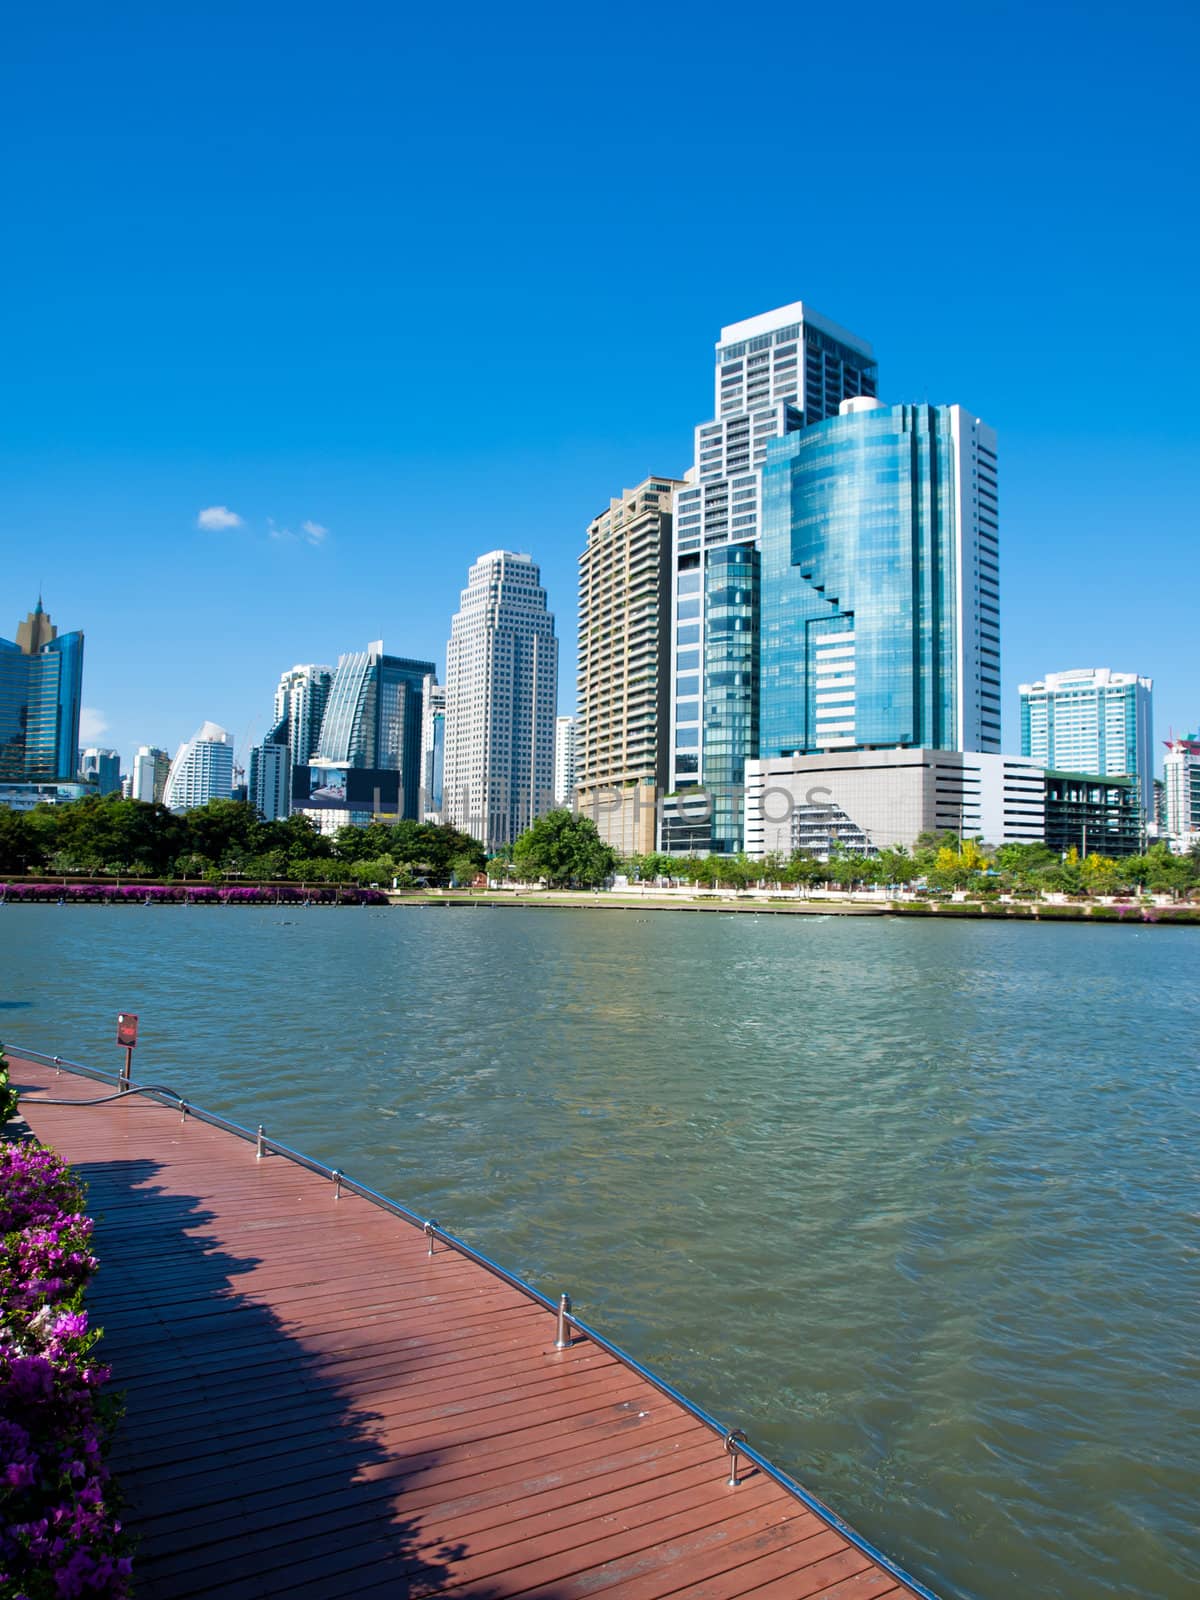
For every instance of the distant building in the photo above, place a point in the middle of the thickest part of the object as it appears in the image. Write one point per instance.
(1093, 814)
(25, 796)
(300, 701)
(1093, 720)
(869, 800)
(202, 770)
(1181, 790)
(564, 760)
(366, 762)
(433, 748)
(501, 701)
(622, 738)
(101, 769)
(268, 786)
(41, 690)
(149, 777)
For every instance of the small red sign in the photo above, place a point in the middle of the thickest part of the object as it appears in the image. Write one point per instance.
(127, 1029)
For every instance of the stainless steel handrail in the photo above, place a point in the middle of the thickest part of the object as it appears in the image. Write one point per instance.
(733, 1439)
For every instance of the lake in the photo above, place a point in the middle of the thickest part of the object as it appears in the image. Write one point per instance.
(914, 1204)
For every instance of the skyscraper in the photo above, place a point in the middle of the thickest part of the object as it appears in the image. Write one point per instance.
(1092, 721)
(501, 701)
(564, 761)
(622, 740)
(268, 785)
(880, 584)
(149, 777)
(202, 770)
(371, 726)
(101, 767)
(775, 374)
(41, 690)
(300, 703)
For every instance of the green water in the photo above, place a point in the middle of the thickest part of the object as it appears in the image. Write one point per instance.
(915, 1205)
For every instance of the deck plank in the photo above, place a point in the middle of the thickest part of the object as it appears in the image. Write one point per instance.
(315, 1407)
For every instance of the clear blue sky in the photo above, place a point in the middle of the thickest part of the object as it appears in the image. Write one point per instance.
(438, 282)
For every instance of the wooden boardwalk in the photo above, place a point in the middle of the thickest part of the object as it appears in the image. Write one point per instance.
(317, 1408)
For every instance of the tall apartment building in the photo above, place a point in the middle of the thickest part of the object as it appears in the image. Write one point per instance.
(501, 701)
(268, 781)
(300, 700)
(622, 741)
(880, 591)
(565, 729)
(149, 777)
(1092, 721)
(202, 770)
(41, 691)
(1181, 789)
(101, 768)
(775, 374)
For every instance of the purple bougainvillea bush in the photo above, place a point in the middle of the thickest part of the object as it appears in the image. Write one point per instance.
(59, 1534)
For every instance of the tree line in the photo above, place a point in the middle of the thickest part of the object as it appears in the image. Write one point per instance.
(941, 862)
(227, 838)
(109, 835)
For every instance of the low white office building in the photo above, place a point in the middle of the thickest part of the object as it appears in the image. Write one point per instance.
(869, 800)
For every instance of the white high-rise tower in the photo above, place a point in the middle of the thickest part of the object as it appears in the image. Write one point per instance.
(501, 701)
(201, 771)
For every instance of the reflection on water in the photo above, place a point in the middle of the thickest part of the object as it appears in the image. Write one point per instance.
(914, 1205)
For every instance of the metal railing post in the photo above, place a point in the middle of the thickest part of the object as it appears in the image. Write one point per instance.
(183, 1110)
(430, 1231)
(259, 1144)
(733, 1438)
(562, 1332)
(337, 1183)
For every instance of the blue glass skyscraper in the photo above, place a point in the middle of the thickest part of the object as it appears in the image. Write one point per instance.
(41, 690)
(880, 583)
(774, 374)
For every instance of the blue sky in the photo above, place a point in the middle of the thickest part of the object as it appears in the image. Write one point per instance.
(440, 284)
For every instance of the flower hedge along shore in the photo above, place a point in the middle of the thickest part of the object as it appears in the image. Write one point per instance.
(186, 894)
(59, 1535)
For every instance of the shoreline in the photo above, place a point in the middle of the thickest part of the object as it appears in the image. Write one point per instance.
(969, 910)
(725, 903)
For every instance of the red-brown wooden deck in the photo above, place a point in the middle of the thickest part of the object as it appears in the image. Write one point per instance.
(316, 1408)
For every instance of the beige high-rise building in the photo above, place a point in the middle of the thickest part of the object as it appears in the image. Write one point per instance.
(621, 750)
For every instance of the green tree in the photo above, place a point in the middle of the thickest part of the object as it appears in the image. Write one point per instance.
(21, 845)
(221, 830)
(895, 865)
(564, 849)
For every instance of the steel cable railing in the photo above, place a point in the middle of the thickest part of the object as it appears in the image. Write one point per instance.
(568, 1325)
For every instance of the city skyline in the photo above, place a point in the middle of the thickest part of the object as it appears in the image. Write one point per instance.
(240, 423)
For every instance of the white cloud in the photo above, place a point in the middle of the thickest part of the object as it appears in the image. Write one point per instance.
(313, 533)
(92, 725)
(213, 518)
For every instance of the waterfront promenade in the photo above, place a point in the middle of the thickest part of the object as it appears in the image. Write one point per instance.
(316, 1406)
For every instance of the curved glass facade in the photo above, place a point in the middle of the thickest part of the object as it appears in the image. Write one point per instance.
(348, 726)
(372, 718)
(863, 622)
